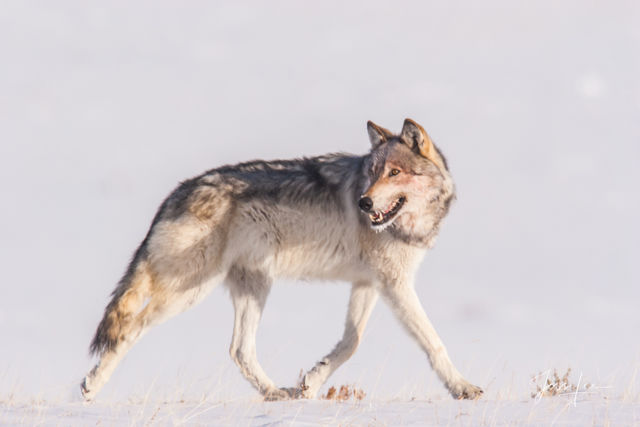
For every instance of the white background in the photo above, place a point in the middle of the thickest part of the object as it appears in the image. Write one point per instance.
(105, 107)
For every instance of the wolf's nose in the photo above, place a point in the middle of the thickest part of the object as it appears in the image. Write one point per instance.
(365, 204)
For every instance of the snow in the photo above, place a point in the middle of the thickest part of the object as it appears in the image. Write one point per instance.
(558, 411)
(105, 107)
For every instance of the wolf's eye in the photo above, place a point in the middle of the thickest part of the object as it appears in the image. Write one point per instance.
(394, 172)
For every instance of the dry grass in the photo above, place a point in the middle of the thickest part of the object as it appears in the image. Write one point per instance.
(548, 384)
(345, 393)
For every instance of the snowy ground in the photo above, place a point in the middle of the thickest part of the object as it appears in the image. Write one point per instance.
(104, 107)
(560, 411)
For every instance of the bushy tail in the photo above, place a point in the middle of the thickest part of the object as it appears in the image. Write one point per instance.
(127, 299)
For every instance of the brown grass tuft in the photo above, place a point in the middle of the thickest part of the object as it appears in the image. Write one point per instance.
(552, 385)
(345, 393)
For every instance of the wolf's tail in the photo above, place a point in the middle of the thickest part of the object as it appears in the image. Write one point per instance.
(127, 300)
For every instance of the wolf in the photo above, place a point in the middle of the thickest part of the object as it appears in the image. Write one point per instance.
(367, 220)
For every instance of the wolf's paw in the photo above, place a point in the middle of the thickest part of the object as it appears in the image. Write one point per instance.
(87, 393)
(307, 389)
(307, 394)
(465, 390)
(284, 393)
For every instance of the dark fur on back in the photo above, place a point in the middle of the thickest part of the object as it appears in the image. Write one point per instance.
(312, 180)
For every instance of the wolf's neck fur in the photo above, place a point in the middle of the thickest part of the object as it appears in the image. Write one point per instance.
(416, 231)
(421, 231)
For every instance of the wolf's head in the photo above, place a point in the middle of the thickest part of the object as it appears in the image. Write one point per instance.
(407, 180)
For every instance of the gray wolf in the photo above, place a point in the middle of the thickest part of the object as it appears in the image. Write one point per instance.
(367, 220)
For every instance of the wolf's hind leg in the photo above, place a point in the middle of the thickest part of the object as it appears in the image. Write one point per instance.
(102, 371)
(406, 305)
(160, 307)
(361, 303)
(249, 291)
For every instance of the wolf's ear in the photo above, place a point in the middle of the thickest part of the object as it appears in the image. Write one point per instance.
(377, 134)
(415, 136)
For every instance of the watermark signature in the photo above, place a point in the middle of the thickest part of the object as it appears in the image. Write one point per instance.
(549, 383)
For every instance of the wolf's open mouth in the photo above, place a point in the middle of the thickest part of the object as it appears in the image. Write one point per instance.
(382, 217)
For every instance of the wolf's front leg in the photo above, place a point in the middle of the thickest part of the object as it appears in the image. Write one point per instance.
(361, 303)
(405, 304)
